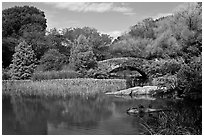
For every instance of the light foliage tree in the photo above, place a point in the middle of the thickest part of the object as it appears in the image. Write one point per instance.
(187, 29)
(82, 57)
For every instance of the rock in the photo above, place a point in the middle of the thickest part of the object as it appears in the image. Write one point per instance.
(146, 90)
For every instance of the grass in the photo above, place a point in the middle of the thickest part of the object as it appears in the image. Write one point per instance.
(187, 120)
(62, 87)
(64, 74)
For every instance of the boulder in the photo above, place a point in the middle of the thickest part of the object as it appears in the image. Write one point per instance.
(145, 90)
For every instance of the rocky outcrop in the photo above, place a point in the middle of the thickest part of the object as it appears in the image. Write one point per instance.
(145, 90)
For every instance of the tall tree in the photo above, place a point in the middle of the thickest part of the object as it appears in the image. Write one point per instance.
(13, 19)
(82, 57)
(99, 42)
(187, 29)
(23, 63)
(22, 22)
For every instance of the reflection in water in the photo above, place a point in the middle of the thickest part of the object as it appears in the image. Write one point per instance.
(99, 114)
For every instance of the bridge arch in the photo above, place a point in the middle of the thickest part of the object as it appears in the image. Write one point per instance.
(114, 65)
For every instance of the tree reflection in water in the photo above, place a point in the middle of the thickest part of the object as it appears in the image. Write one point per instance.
(98, 114)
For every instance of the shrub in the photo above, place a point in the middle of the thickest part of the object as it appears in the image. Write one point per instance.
(55, 75)
(5, 74)
(190, 78)
(164, 67)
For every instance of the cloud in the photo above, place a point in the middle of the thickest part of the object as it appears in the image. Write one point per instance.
(161, 15)
(113, 34)
(91, 7)
(129, 13)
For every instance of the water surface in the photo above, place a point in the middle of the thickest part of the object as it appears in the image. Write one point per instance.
(98, 114)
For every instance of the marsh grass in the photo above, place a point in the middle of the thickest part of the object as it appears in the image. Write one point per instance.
(184, 122)
(62, 87)
(48, 75)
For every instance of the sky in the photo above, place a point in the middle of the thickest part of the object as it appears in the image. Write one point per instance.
(113, 18)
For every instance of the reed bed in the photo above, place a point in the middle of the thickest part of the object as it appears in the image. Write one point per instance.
(48, 75)
(62, 87)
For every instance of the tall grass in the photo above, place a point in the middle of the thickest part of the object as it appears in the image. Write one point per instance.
(62, 87)
(64, 74)
(184, 121)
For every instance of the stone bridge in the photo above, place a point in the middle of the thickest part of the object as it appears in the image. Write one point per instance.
(129, 67)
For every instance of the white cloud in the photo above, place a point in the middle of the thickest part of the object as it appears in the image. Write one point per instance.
(113, 34)
(91, 7)
(129, 13)
(161, 15)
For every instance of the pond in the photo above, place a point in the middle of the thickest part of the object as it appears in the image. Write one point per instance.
(98, 114)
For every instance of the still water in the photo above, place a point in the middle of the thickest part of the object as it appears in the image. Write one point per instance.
(98, 114)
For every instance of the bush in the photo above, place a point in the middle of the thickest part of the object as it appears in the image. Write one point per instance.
(164, 67)
(190, 78)
(55, 75)
(5, 74)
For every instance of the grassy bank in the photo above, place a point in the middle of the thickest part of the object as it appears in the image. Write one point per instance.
(61, 87)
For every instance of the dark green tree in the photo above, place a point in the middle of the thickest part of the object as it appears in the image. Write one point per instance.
(52, 60)
(25, 22)
(55, 40)
(13, 19)
(23, 62)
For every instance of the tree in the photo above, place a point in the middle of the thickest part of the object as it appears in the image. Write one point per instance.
(8, 49)
(23, 62)
(24, 22)
(190, 77)
(99, 42)
(55, 40)
(164, 46)
(187, 29)
(130, 47)
(82, 57)
(144, 29)
(52, 60)
(13, 19)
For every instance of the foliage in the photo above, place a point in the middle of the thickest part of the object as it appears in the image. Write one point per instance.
(82, 57)
(8, 49)
(99, 42)
(58, 41)
(24, 22)
(190, 78)
(187, 29)
(24, 62)
(164, 46)
(130, 47)
(164, 66)
(5, 74)
(143, 29)
(55, 75)
(13, 19)
(184, 119)
(52, 60)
